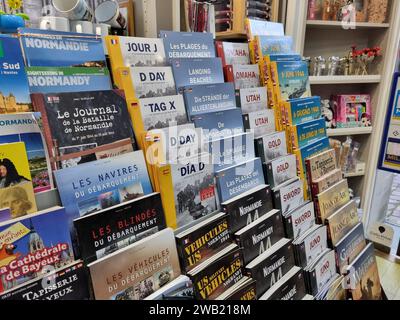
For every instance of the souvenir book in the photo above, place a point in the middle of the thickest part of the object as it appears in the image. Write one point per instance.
(201, 99)
(104, 232)
(260, 122)
(248, 207)
(179, 289)
(243, 76)
(256, 27)
(289, 195)
(306, 133)
(233, 53)
(244, 290)
(238, 179)
(67, 79)
(325, 182)
(253, 99)
(138, 270)
(259, 236)
(271, 146)
(14, 95)
(321, 165)
(268, 45)
(298, 111)
(280, 170)
(300, 220)
(31, 245)
(48, 48)
(200, 242)
(25, 127)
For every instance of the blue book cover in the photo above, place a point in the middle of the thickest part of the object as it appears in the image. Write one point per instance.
(188, 44)
(303, 110)
(238, 179)
(220, 124)
(293, 80)
(275, 45)
(69, 79)
(98, 185)
(284, 57)
(310, 151)
(32, 246)
(207, 98)
(229, 151)
(46, 48)
(14, 90)
(189, 72)
(307, 133)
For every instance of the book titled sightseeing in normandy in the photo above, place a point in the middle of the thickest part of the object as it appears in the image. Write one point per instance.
(95, 186)
(24, 127)
(201, 99)
(271, 146)
(248, 207)
(260, 235)
(104, 232)
(32, 244)
(238, 179)
(218, 274)
(79, 121)
(202, 241)
(138, 270)
(191, 45)
(272, 265)
(14, 95)
(189, 72)
(48, 48)
(66, 283)
(67, 79)
(233, 53)
(187, 189)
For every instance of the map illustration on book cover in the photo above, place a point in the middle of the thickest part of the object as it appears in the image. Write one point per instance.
(16, 189)
(269, 45)
(66, 283)
(307, 133)
(31, 245)
(188, 44)
(47, 48)
(99, 185)
(201, 99)
(67, 79)
(138, 270)
(163, 112)
(24, 127)
(74, 122)
(189, 72)
(104, 232)
(14, 94)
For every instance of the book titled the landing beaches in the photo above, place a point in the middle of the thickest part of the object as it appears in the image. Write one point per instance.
(75, 122)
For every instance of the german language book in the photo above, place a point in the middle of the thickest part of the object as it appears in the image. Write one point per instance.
(363, 277)
(188, 190)
(238, 179)
(217, 125)
(260, 122)
(202, 241)
(271, 146)
(85, 120)
(16, 188)
(134, 52)
(48, 48)
(138, 270)
(231, 150)
(14, 95)
(192, 45)
(269, 267)
(218, 274)
(341, 222)
(248, 207)
(299, 220)
(68, 282)
(67, 79)
(307, 133)
(147, 82)
(189, 72)
(24, 127)
(243, 76)
(201, 99)
(260, 235)
(253, 99)
(31, 245)
(233, 53)
(104, 232)
(99, 185)
(280, 170)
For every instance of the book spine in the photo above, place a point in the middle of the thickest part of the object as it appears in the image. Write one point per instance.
(246, 122)
(288, 225)
(126, 83)
(219, 45)
(308, 174)
(116, 59)
(314, 190)
(269, 174)
(259, 149)
(228, 72)
(277, 200)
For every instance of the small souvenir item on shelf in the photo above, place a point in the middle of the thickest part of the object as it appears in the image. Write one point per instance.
(328, 113)
(377, 11)
(352, 110)
(362, 59)
(361, 7)
(327, 10)
(314, 9)
(319, 66)
(333, 66)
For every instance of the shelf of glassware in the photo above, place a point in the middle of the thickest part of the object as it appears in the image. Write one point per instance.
(345, 79)
(349, 131)
(321, 24)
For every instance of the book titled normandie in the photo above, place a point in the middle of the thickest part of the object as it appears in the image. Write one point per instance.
(138, 270)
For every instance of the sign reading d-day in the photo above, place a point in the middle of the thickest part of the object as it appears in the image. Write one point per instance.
(47, 48)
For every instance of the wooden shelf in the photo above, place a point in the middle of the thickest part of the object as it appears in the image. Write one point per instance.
(320, 24)
(345, 79)
(230, 35)
(349, 131)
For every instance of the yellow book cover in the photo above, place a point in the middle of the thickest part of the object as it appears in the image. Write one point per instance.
(16, 189)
